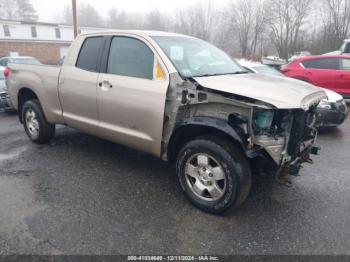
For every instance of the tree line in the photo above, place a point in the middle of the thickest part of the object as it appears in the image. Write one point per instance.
(243, 28)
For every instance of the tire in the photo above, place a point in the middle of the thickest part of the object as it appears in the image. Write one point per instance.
(35, 124)
(205, 188)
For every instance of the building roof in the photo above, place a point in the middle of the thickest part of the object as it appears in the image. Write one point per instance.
(46, 32)
(38, 23)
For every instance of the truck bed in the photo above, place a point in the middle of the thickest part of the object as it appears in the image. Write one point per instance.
(41, 78)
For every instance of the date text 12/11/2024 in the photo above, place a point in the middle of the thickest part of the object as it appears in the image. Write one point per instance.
(173, 258)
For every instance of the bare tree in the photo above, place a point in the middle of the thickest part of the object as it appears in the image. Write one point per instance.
(26, 11)
(117, 19)
(8, 10)
(338, 19)
(18, 10)
(247, 20)
(197, 20)
(88, 16)
(67, 15)
(155, 20)
(287, 18)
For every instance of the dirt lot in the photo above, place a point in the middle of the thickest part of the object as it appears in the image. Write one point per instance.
(83, 195)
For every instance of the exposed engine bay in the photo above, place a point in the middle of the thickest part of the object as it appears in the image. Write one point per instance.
(278, 140)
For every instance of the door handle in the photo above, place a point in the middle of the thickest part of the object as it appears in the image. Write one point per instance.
(105, 84)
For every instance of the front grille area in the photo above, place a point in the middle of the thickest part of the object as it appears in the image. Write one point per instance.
(302, 130)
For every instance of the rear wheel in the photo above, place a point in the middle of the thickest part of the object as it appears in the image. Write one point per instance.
(213, 174)
(35, 123)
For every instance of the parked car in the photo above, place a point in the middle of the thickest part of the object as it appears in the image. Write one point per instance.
(331, 112)
(273, 61)
(344, 49)
(180, 99)
(4, 61)
(5, 102)
(299, 55)
(331, 72)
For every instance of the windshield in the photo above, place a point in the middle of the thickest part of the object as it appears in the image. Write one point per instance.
(26, 61)
(266, 70)
(195, 58)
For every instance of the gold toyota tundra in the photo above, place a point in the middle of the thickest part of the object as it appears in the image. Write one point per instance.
(180, 99)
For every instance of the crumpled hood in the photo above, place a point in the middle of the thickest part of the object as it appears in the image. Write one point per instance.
(281, 92)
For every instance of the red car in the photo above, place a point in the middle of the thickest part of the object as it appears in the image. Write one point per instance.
(331, 72)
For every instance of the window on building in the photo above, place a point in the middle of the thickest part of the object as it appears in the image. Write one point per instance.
(6, 30)
(58, 33)
(130, 57)
(326, 63)
(34, 32)
(89, 55)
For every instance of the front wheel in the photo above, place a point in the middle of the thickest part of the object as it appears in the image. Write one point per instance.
(213, 174)
(35, 123)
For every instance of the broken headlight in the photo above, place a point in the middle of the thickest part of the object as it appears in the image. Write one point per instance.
(262, 120)
(271, 122)
(325, 105)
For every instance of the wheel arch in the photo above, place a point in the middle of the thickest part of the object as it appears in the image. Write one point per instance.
(201, 126)
(24, 94)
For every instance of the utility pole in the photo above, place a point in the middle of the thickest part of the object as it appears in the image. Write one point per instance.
(75, 23)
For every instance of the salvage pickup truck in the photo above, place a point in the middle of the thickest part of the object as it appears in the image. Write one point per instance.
(180, 99)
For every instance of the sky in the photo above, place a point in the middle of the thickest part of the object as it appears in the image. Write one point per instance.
(50, 10)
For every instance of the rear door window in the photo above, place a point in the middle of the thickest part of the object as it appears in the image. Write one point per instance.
(90, 54)
(345, 64)
(130, 57)
(327, 63)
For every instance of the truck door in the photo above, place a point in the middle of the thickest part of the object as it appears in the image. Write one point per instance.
(131, 95)
(78, 86)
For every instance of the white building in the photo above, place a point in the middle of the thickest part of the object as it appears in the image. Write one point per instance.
(47, 42)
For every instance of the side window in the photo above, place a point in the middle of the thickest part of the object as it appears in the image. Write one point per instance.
(89, 56)
(130, 57)
(6, 30)
(33, 31)
(345, 64)
(328, 63)
(58, 32)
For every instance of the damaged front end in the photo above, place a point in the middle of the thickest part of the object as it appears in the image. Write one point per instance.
(273, 139)
(288, 136)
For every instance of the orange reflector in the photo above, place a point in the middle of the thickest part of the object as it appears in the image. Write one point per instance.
(159, 72)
